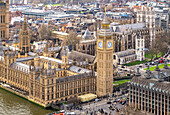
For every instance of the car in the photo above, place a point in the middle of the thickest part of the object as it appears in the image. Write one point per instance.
(109, 102)
(122, 66)
(96, 100)
(153, 63)
(114, 101)
(161, 61)
(120, 101)
(123, 102)
(117, 110)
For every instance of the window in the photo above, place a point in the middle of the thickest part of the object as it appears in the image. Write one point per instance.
(43, 97)
(42, 89)
(3, 33)
(48, 89)
(114, 57)
(52, 89)
(47, 97)
(3, 19)
(48, 82)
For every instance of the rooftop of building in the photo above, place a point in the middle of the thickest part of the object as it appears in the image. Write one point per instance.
(125, 53)
(127, 27)
(155, 80)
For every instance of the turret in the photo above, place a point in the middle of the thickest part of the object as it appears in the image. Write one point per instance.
(24, 40)
(65, 57)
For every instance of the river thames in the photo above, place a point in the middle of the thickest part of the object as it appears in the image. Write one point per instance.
(11, 104)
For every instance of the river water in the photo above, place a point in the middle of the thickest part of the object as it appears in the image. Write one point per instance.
(11, 104)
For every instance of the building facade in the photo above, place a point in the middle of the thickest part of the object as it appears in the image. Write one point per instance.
(151, 93)
(124, 57)
(4, 20)
(147, 16)
(105, 60)
(87, 44)
(140, 47)
(24, 39)
(46, 80)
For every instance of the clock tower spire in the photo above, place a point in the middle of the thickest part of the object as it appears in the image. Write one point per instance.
(104, 60)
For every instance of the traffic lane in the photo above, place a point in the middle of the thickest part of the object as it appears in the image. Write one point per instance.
(103, 106)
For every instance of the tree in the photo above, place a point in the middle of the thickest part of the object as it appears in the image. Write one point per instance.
(32, 35)
(72, 39)
(151, 51)
(92, 27)
(45, 32)
(165, 36)
(155, 46)
(162, 41)
(159, 45)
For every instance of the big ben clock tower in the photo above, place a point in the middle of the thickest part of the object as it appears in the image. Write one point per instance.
(104, 60)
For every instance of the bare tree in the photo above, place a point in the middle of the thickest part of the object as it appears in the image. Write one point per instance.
(151, 51)
(162, 41)
(72, 39)
(155, 45)
(159, 45)
(44, 32)
(92, 27)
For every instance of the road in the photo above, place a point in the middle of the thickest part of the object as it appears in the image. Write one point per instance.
(95, 106)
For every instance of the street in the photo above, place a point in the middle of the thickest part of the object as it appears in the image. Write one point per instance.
(95, 106)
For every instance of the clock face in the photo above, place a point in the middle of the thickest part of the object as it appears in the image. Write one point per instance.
(109, 44)
(100, 44)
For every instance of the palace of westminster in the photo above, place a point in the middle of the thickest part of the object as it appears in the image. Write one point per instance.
(47, 79)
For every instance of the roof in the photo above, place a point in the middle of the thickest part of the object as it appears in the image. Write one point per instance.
(87, 97)
(20, 66)
(156, 80)
(87, 35)
(105, 20)
(125, 53)
(32, 53)
(61, 33)
(55, 49)
(162, 86)
(78, 69)
(51, 59)
(24, 59)
(124, 28)
(78, 56)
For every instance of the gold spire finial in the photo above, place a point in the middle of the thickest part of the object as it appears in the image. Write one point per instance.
(105, 10)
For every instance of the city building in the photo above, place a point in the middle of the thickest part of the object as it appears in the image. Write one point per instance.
(140, 47)
(87, 43)
(124, 57)
(24, 40)
(42, 78)
(125, 36)
(147, 16)
(105, 60)
(4, 19)
(150, 92)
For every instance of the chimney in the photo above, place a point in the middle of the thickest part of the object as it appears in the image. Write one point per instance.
(138, 73)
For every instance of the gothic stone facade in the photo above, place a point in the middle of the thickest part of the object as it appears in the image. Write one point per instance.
(4, 20)
(43, 80)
